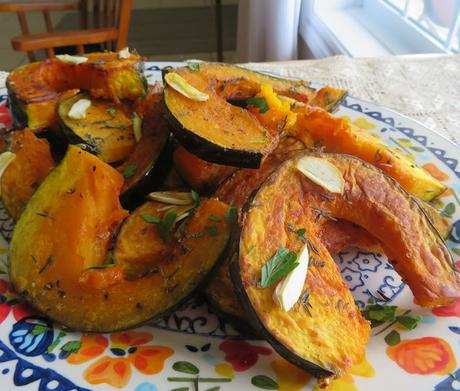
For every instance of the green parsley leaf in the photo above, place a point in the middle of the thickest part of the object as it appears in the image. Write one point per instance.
(196, 235)
(193, 66)
(166, 225)
(261, 103)
(392, 338)
(129, 171)
(278, 266)
(214, 218)
(211, 230)
(71, 346)
(231, 215)
(196, 198)
(112, 111)
(39, 329)
(300, 233)
(150, 219)
(410, 322)
(378, 314)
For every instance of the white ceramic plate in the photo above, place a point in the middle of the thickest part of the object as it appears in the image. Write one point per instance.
(192, 343)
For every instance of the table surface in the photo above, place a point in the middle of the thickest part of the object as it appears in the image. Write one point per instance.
(423, 87)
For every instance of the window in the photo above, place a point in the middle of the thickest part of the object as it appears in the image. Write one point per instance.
(438, 19)
(378, 27)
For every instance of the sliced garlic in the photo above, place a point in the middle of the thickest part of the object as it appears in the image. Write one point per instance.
(172, 197)
(78, 109)
(137, 127)
(290, 288)
(322, 172)
(67, 58)
(124, 53)
(180, 85)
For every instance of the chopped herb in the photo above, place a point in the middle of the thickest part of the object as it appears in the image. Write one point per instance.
(261, 141)
(150, 219)
(119, 127)
(193, 66)
(39, 329)
(196, 235)
(231, 215)
(42, 214)
(322, 213)
(98, 267)
(316, 262)
(56, 342)
(392, 338)
(112, 111)
(129, 171)
(384, 297)
(278, 266)
(48, 262)
(261, 103)
(305, 301)
(211, 230)
(214, 218)
(71, 346)
(195, 198)
(300, 232)
(166, 224)
(378, 314)
(410, 322)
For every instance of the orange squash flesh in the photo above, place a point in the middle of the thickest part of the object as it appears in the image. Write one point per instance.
(32, 163)
(67, 228)
(107, 128)
(34, 89)
(335, 336)
(201, 175)
(338, 135)
(216, 124)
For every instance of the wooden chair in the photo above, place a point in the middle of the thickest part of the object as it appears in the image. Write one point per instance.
(111, 24)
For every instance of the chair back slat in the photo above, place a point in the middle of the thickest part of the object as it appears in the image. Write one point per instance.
(110, 25)
(83, 8)
(48, 24)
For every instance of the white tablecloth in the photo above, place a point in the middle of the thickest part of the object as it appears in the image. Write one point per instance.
(426, 88)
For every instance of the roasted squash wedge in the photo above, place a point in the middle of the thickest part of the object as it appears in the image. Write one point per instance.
(338, 135)
(59, 254)
(147, 166)
(34, 89)
(31, 164)
(235, 191)
(325, 332)
(105, 129)
(214, 129)
(217, 129)
(200, 175)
